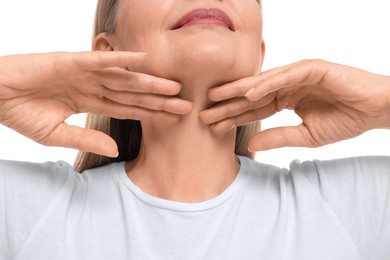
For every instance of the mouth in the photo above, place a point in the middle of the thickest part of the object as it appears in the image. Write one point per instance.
(203, 16)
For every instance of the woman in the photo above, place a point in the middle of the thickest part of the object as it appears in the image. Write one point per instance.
(181, 192)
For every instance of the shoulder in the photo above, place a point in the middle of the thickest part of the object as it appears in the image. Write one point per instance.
(38, 183)
(105, 173)
(357, 190)
(370, 172)
(7, 166)
(264, 175)
(40, 179)
(376, 164)
(366, 171)
(105, 178)
(257, 169)
(35, 171)
(351, 186)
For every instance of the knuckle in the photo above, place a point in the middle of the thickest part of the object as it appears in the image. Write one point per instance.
(310, 61)
(228, 110)
(165, 105)
(305, 60)
(152, 86)
(318, 61)
(134, 82)
(314, 63)
(284, 78)
(238, 90)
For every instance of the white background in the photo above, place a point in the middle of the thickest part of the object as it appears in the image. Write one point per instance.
(352, 32)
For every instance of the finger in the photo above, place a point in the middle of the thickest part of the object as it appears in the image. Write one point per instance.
(232, 89)
(232, 108)
(82, 139)
(153, 102)
(297, 74)
(97, 60)
(112, 109)
(124, 80)
(240, 87)
(246, 118)
(226, 110)
(292, 136)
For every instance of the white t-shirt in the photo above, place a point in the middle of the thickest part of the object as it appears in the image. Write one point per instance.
(332, 210)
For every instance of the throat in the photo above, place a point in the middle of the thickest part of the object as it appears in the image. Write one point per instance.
(184, 162)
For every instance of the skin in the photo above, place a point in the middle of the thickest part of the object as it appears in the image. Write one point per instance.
(334, 102)
(199, 164)
(190, 107)
(39, 91)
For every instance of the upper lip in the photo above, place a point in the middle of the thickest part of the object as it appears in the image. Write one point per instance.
(205, 13)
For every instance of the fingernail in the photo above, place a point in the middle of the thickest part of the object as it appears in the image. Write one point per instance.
(223, 131)
(249, 92)
(230, 128)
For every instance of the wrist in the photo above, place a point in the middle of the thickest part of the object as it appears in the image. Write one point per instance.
(387, 108)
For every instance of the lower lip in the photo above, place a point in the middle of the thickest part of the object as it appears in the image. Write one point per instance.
(206, 21)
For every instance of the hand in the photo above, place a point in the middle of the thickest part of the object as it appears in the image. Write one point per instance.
(335, 102)
(39, 91)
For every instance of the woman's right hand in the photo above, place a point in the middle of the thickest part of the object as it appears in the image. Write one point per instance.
(39, 91)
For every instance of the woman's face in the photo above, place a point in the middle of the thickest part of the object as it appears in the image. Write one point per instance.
(182, 45)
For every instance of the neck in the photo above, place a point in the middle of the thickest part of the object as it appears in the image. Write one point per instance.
(185, 161)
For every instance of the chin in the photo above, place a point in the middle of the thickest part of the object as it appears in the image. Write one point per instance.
(212, 60)
(215, 63)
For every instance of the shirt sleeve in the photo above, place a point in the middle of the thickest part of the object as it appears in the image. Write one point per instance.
(358, 191)
(26, 191)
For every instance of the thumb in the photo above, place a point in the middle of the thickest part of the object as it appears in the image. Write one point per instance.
(82, 139)
(291, 136)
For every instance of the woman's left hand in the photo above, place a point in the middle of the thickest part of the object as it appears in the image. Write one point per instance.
(335, 102)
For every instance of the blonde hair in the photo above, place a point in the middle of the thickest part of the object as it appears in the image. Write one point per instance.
(128, 133)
